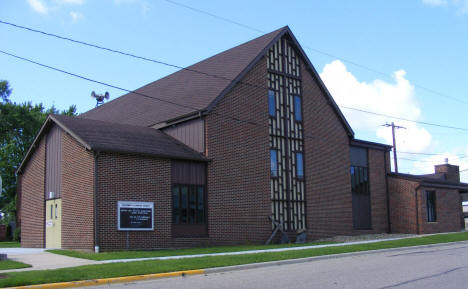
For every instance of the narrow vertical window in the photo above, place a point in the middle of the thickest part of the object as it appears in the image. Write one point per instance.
(271, 103)
(431, 206)
(274, 163)
(200, 206)
(184, 204)
(297, 108)
(192, 204)
(299, 165)
(51, 211)
(56, 211)
(175, 205)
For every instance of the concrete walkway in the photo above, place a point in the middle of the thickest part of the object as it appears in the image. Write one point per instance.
(41, 260)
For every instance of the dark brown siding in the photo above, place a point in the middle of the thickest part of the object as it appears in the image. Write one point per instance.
(186, 172)
(32, 199)
(191, 133)
(53, 162)
(77, 195)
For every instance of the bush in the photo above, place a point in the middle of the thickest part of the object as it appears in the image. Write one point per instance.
(17, 235)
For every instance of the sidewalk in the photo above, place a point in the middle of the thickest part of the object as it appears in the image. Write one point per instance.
(39, 259)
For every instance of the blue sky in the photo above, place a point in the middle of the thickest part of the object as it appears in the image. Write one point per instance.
(416, 49)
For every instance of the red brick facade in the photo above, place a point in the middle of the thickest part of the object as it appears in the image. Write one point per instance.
(133, 178)
(32, 199)
(408, 203)
(77, 195)
(239, 174)
(239, 199)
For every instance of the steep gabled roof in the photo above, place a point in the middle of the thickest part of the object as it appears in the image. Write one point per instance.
(101, 136)
(192, 90)
(196, 92)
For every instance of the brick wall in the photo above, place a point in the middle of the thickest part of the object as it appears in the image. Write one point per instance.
(125, 177)
(378, 190)
(327, 162)
(239, 174)
(449, 211)
(77, 195)
(402, 205)
(32, 199)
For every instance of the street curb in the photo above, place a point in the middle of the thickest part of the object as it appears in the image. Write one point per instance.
(104, 281)
(318, 258)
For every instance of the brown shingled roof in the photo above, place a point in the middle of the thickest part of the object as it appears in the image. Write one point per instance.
(194, 91)
(101, 136)
(113, 137)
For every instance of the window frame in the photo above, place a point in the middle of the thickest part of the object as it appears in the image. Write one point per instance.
(431, 205)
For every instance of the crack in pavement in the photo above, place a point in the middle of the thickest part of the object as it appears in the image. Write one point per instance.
(425, 277)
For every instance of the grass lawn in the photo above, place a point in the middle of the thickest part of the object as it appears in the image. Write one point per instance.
(9, 264)
(158, 266)
(6, 244)
(174, 252)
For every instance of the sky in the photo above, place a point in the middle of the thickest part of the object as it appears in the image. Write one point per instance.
(402, 58)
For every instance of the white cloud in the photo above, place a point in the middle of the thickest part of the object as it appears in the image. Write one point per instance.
(38, 6)
(435, 3)
(76, 16)
(396, 99)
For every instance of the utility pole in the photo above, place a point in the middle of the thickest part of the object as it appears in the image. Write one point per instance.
(394, 143)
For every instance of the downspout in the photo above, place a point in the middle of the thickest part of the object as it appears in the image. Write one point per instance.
(417, 208)
(96, 215)
(389, 223)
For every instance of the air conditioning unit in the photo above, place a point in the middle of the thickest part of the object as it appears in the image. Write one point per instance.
(51, 195)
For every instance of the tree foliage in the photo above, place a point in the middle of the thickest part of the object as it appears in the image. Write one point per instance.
(19, 124)
(5, 90)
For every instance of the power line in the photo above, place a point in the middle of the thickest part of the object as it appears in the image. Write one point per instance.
(201, 72)
(156, 98)
(316, 50)
(405, 119)
(427, 154)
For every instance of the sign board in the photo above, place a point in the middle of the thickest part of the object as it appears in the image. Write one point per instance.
(135, 216)
(49, 224)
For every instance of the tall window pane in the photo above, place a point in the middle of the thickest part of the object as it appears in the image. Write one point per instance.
(175, 205)
(299, 165)
(431, 206)
(183, 205)
(200, 206)
(274, 163)
(192, 204)
(297, 108)
(271, 103)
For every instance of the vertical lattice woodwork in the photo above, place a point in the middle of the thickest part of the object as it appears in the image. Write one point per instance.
(286, 136)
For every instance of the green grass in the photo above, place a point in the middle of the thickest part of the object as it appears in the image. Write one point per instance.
(173, 252)
(159, 266)
(9, 264)
(9, 244)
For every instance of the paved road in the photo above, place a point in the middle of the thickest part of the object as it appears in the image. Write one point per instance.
(435, 267)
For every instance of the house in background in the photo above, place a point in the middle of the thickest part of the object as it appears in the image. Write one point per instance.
(205, 156)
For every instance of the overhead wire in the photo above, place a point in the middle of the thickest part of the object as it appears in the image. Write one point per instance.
(354, 63)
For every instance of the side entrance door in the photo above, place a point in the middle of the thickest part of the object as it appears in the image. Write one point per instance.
(54, 224)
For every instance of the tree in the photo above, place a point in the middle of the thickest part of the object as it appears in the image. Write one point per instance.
(19, 124)
(5, 90)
